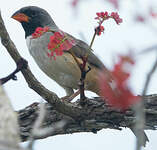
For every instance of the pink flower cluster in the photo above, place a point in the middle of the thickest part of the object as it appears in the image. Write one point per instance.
(102, 16)
(117, 93)
(99, 30)
(39, 32)
(58, 43)
(116, 17)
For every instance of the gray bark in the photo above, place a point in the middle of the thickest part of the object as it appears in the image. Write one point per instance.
(96, 116)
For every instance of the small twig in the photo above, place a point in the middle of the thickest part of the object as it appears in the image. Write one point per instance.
(21, 64)
(84, 62)
(82, 79)
(93, 38)
(149, 78)
(83, 70)
(140, 114)
(83, 75)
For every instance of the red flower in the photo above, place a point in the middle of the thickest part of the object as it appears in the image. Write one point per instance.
(58, 43)
(39, 32)
(99, 30)
(102, 16)
(116, 17)
(117, 92)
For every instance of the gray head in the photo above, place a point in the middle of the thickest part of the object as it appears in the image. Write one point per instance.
(32, 17)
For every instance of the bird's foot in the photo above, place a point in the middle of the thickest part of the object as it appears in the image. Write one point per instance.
(71, 97)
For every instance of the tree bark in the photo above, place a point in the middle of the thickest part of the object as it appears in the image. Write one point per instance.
(97, 115)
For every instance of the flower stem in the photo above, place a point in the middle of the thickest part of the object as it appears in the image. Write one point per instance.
(93, 38)
(83, 70)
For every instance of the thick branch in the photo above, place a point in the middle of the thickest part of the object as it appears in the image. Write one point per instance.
(98, 116)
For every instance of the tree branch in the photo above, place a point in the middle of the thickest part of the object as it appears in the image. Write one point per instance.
(99, 116)
(139, 110)
(21, 64)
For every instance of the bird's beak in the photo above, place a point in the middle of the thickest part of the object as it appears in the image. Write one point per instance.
(20, 17)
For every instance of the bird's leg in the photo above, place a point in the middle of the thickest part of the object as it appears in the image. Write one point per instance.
(74, 95)
(71, 97)
(69, 92)
(21, 64)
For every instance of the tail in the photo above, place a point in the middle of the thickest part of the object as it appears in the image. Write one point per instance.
(92, 82)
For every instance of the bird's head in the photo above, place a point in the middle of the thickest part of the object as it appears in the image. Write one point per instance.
(32, 17)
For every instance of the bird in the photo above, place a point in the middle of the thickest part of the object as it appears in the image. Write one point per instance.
(64, 70)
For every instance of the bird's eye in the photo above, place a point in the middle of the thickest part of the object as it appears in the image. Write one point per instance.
(33, 14)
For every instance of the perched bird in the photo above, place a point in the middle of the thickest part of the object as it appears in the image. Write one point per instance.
(64, 70)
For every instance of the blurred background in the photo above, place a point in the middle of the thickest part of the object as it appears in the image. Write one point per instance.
(137, 33)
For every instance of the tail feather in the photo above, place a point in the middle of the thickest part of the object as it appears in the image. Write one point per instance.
(93, 79)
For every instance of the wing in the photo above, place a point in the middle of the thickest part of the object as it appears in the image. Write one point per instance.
(81, 48)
